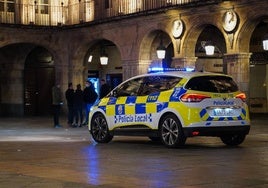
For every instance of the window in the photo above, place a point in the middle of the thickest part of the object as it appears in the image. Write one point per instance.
(107, 4)
(41, 7)
(130, 88)
(155, 84)
(7, 5)
(216, 84)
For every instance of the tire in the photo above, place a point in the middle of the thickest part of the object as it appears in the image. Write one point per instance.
(233, 140)
(99, 129)
(171, 133)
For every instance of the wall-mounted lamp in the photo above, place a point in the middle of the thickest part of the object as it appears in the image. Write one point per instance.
(265, 42)
(161, 50)
(90, 58)
(209, 47)
(103, 57)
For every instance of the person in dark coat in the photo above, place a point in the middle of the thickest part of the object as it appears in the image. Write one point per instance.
(69, 95)
(56, 103)
(105, 89)
(90, 96)
(78, 106)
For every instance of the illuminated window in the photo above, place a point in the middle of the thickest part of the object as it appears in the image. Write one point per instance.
(7, 5)
(41, 7)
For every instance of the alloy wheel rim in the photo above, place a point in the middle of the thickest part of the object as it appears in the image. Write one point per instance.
(99, 128)
(170, 131)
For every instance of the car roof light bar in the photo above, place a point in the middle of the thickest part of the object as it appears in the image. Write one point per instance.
(161, 69)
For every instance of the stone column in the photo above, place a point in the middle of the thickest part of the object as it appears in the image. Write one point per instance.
(133, 68)
(238, 68)
(79, 76)
(12, 93)
(184, 62)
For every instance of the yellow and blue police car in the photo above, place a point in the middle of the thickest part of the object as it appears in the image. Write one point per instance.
(171, 106)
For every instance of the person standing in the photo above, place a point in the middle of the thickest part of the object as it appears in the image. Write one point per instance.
(78, 106)
(56, 103)
(90, 96)
(69, 95)
(105, 89)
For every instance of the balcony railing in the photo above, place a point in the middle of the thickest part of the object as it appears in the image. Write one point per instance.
(89, 11)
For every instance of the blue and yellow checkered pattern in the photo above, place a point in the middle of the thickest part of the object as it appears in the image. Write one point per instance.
(153, 103)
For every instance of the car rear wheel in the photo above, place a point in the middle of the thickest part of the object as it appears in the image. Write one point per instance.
(171, 133)
(233, 140)
(99, 129)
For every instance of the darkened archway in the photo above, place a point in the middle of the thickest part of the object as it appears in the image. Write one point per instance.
(39, 78)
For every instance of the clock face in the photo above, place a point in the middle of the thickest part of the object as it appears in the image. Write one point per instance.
(229, 21)
(177, 28)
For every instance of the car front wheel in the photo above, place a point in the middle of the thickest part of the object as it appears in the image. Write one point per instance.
(99, 129)
(171, 132)
(233, 140)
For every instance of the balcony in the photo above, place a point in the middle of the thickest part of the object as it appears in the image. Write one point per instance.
(88, 11)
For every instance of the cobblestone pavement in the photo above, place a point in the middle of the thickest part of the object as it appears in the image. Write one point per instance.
(33, 154)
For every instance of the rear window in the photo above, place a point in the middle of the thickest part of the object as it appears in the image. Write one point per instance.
(215, 84)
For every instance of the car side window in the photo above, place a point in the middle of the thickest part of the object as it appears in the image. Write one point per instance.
(130, 88)
(155, 83)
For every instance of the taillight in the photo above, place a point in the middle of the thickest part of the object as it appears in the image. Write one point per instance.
(192, 97)
(241, 96)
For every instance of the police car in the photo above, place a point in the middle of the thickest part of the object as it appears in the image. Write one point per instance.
(171, 106)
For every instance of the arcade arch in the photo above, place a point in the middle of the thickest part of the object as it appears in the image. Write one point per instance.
(212, 63)
(149, 46)
(26, 79)
(258, 89)
(94, 70)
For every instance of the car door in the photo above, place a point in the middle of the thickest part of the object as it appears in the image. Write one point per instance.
(121, 107)
(156, 93)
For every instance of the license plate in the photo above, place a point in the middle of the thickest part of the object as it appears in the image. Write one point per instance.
(224, 112)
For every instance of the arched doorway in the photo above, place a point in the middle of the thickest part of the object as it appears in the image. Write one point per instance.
(39, 78)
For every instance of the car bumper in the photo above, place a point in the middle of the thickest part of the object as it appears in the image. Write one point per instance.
(216, 131)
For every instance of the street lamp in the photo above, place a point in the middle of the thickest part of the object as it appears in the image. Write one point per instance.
(103, 57)
(161, 50)
(265, 42)
(209, 47)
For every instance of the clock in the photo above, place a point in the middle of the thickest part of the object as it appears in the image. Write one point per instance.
(229, 21)
(177, 28)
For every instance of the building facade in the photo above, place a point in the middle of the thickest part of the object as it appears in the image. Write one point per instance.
(44, 42)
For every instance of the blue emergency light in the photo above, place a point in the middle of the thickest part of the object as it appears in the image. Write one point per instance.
(161, 69)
